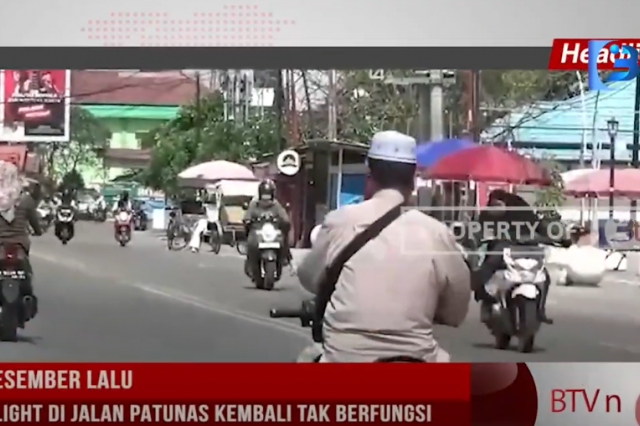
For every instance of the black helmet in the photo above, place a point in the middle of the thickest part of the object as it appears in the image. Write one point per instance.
(125, 196)
(267, 190)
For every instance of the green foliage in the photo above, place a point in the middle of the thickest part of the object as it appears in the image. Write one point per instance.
(503, 91)
(89, 135)
(73, 180)
(550, 198)
(178, 145)
(367, 106)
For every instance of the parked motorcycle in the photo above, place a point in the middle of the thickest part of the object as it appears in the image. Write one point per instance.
(270, 245)
(64, 224)
(123, 226)
(15, 307)
(518, 298)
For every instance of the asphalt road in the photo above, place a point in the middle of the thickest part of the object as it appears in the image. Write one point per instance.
(101, 302)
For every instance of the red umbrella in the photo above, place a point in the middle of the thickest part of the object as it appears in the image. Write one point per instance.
(487, 163)
(596, 184)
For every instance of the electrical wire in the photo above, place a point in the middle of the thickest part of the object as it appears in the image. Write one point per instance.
(525, 119)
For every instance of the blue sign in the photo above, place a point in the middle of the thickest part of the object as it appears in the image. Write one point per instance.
(628, 64)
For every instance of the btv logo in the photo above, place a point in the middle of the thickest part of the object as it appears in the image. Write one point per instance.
(628, 63)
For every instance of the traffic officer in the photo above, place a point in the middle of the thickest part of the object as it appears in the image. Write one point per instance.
(411, 276)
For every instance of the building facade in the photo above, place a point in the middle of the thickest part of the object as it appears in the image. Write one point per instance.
(130, 104)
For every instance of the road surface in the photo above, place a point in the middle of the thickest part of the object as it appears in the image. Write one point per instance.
(101, 302)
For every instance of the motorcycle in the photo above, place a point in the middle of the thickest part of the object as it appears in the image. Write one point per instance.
(270, 243)
(313, 352)
(64, 226)
(122, 226)
(15, 307)
(100, 214)
(516, 311)
(140, 220)
(46, 217)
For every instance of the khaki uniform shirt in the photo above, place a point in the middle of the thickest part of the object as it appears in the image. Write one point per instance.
(390, 293)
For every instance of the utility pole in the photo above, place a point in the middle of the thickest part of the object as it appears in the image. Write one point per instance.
(635, 155)
(430, 86)
(198, 117)
(332, 119)
(475, 105)
(279, 101)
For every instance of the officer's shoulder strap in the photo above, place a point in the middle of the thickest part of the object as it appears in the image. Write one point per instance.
(332, 272)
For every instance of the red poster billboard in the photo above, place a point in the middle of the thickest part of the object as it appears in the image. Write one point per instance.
(35, 105)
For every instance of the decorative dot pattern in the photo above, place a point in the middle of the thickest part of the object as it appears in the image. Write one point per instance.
(234, 25)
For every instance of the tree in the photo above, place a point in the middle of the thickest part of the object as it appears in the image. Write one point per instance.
(88, 136)
(367, 105)
(505, 91)
(550, 198)
(364, 106)
(73, 180)
(179, 144)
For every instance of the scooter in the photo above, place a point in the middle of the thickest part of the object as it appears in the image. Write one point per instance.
(16, 308)
(516, 311)
(46, 217)
(64, 225)
(140, 220)
(100, 214)
(122, 227)
(269, 268)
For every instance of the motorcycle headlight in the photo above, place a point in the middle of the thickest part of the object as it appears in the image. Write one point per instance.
(268, 232)
(123, 216)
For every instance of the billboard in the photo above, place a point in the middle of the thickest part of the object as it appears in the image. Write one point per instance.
(35, 105)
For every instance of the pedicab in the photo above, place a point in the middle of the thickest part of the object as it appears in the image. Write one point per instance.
(232, 198)
(227, 186)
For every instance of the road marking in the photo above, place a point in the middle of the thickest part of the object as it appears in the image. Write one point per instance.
(243, 315)
(178, 296)
(631, 349)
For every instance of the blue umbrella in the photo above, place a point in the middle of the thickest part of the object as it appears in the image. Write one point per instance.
(430, 153)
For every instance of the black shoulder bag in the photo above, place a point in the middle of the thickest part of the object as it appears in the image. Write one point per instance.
(332, 273)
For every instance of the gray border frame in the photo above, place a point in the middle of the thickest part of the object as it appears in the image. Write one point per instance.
(275, 57)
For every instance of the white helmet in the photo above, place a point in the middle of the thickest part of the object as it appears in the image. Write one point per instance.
(314, 234)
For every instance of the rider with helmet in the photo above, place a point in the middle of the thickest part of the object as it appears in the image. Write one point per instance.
(123, 203)
(266, 202)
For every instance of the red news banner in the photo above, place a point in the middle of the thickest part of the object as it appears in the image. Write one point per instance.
(573, 54)
(127, 394)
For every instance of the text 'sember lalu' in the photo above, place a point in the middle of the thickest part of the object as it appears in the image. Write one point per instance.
(66, 379)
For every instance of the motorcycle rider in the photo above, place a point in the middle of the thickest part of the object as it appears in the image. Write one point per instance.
(266, 202)
(99, 206)
(498, 211)
(67, 199)
(123, 203)
(402, 282)
(17, 213)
